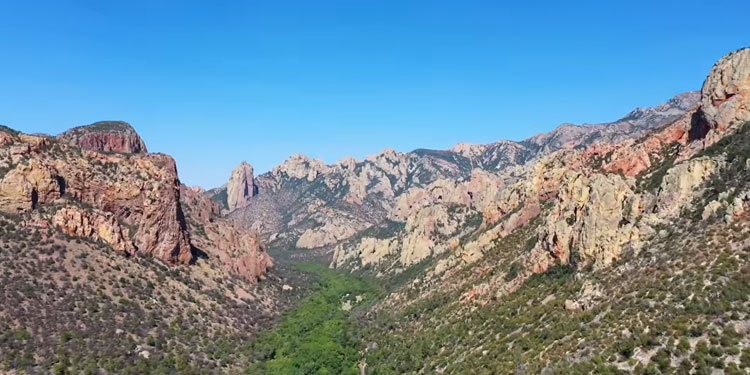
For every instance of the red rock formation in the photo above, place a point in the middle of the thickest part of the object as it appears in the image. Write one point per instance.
(131, 202)
(106, 136)
(238, 250)
(632, 157)
(140, 190)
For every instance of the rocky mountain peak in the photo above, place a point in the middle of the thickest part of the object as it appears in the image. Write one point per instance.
(348, 163)
(685, 101)
(674, 106)
(386, 153)
(241, 186)
(302, 167)
(726, 91)
(106, 136)
(469, 150)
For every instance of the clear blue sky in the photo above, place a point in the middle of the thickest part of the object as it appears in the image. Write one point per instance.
(213, 83)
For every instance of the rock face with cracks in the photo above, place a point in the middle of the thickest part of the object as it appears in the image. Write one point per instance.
(241, 186)
(105, 136)
(725, 101)
(97, 182)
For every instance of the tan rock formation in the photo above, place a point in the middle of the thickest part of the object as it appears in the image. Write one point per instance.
(29, 185)
(678, 186)
(95, 225)
(327, 234)
(590, 221)
(241, 186)
(301, 167)
(725, 101)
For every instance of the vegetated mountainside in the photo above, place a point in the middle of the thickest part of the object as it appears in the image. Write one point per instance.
(614, 258)
(73, 306)
(625, 257)
(306, 204)
(110, 264)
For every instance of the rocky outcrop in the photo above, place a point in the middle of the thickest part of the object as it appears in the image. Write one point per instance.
(28, 185)
(95, 225)
(133, 202)
(139, 190)
(105, 136)
(327, 234)
(238, 250)
(590, 221)
(680, 182)
(299, 166)
(241, 186)
(725, 101)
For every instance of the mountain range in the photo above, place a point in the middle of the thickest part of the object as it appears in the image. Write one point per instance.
(615, 248)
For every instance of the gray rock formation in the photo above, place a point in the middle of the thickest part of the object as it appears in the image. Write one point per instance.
(241, 186)
(726, 93)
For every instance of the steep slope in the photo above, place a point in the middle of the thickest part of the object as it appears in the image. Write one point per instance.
(133, 202)
(110, 265)
(73, 306)
(598, 267)
(603, 198)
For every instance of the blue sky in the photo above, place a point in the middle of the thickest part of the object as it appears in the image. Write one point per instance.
(214, 83)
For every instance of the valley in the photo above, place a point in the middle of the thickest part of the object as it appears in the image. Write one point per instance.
(614, 248)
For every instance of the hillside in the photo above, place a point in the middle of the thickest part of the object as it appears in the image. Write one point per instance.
(591, 254)
(617, 258)
(110, 264)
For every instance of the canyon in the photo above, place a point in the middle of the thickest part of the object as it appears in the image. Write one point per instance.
(599, 248)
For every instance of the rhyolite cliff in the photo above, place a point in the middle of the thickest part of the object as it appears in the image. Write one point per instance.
(98, 182)
(105, 136)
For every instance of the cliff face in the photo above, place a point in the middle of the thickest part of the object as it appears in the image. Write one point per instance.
(86, 183)
(105, 136)
(241, 186)
(140, 190)
(238, 250)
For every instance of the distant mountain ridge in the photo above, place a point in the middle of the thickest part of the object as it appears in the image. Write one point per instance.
(307, 204)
